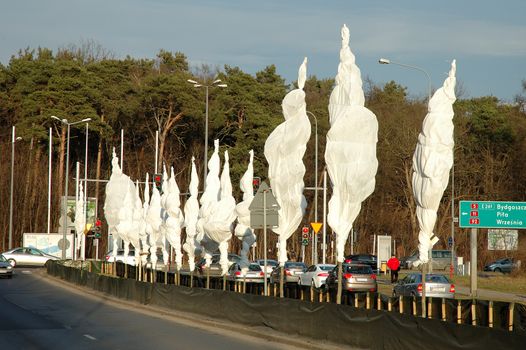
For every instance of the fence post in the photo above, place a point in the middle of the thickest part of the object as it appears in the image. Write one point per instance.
(401, 304)
(443, 309)
(473, 312)
(490, 314)
(510, 316)
(459, 312)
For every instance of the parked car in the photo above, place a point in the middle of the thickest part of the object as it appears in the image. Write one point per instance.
(356, 278)
(27, 256)
(362, 259)
(501, 265)
(437, 286)
(130, 259)
(215, 268)
(254, 273)
(441, 260)
(315, 275)
(292, 271)
(271, 264)
(5, 267)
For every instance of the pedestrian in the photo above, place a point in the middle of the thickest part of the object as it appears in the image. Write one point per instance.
(394, 265)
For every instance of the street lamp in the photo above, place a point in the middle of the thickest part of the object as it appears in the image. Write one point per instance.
(215, 83)
(14, 139)
(65, 204)
(387, 61)
(315, 239)
(430, 261)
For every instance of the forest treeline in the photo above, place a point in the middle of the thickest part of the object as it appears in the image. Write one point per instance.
(142, 96)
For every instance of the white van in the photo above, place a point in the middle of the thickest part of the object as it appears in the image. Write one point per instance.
(441, 260)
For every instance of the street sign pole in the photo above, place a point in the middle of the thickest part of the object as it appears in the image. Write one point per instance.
(473, 263)
(265, 241)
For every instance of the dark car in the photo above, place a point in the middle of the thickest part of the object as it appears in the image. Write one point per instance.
(356, 278)
(362, 259)
(292, 271)
(5, 267)
(501, 265)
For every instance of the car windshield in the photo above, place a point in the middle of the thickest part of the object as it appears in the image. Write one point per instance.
(269, 262)
(358, 269)
(326, 267)
(295, 265)
(2, 258)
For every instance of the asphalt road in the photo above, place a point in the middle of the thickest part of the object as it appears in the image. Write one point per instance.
(38, 314)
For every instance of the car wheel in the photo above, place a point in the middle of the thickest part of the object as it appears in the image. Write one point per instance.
(498, 269)
(12, 262)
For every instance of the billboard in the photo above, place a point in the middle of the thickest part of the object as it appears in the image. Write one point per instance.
(503, 239)
(91, 209)
(49, 243)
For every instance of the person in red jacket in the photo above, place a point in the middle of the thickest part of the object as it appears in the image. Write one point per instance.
(394, 265)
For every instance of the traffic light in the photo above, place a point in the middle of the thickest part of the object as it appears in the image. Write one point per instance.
(96, 230)
(305, 235)
(158, 180)
(256, 181)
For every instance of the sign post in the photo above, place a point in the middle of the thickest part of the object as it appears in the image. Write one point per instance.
(486, 214)
(264, 212)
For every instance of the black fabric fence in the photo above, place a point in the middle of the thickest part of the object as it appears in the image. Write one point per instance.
(358, 327)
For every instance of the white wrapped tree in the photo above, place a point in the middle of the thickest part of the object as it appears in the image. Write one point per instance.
(432, 162)
(191, 215)
(243, 230)
(284, 150)
(350, 153)
(174, 220)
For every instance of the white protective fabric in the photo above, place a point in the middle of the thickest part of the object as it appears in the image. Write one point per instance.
(191, 215)
(139, 226)
(351, 147)
(153, 224)
(80, 219)
(118, 210)
(218, 226)
(243, 230)
(432, 162)
(284, 150)
(174, 220)
(209, 197)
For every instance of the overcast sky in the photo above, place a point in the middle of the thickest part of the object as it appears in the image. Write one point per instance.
(487, 37)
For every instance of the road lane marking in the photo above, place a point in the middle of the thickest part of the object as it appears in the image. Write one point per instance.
(90, 337)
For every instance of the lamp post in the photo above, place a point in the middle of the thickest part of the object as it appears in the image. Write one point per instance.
(13, 140)
(430, 261)
(65, 204)
(386, 61)
(215, 83)
(315, 236)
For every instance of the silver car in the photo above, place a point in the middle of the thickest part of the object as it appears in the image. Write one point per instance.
(5, 267)
(356, 278)
(437, 286)
(292, 271)
(27, 256)
(254, 273)
(316, 275)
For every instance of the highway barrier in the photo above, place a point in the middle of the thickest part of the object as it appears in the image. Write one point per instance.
(364, 321)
